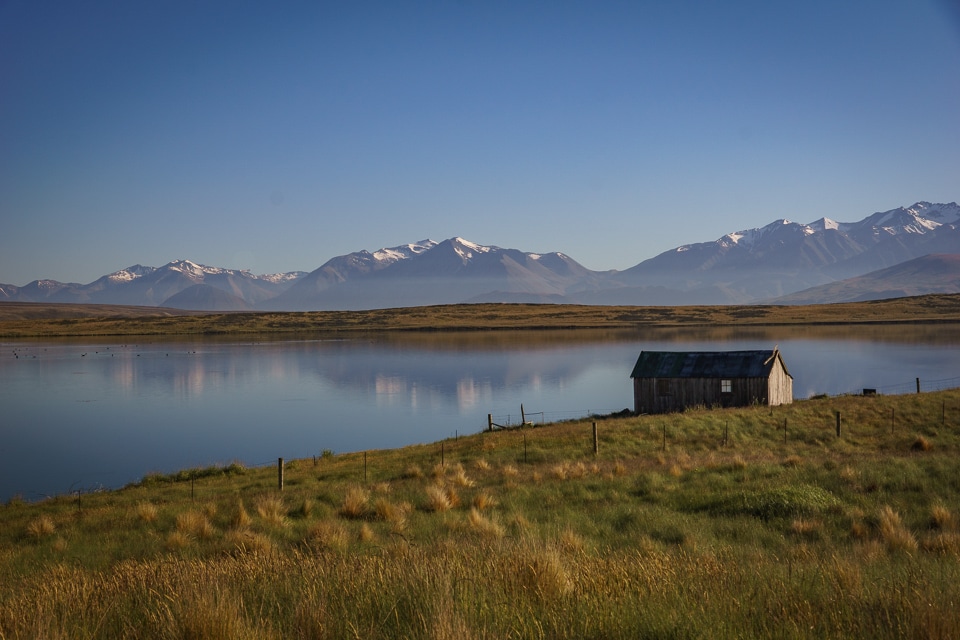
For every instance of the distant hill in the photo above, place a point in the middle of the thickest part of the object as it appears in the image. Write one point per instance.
(205, 297)
(937, 273)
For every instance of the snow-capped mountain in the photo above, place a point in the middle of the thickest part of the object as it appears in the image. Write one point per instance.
(153, 286)
(746, 266)
(784, 256)
(429, 272)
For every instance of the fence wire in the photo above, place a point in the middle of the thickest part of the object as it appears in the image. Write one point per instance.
(920, 384)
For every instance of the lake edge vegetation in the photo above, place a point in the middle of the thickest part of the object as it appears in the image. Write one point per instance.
(750, 522)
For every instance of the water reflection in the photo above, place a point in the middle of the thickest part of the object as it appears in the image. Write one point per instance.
(109, 413)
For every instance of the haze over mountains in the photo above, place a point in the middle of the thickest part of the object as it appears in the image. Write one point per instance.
(886, 254)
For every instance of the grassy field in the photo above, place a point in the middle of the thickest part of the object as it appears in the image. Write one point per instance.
(752, 522)
(25, 320)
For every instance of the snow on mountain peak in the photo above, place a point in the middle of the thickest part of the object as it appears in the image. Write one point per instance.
(393, 254)
(465, 249)
(130, 273)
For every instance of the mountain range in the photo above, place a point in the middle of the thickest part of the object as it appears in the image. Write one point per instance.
(904, 251)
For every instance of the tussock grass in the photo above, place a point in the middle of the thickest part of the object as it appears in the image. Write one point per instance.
(355, 503)
(41, 527)
(147, 511)
(823, 537)
(272, 511)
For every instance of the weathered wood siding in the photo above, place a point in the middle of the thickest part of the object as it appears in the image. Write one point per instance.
(779, 385)
(665, 395)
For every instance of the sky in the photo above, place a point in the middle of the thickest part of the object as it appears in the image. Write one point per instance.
(275, 136)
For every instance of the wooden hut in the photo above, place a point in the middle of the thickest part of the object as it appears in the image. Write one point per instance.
(665, 381)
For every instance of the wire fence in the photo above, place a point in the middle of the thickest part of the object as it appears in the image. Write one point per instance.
(918, 385)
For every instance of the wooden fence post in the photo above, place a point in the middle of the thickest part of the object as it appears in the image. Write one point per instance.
(280, 474)
(838, 424)
(489, 422)
(596, 442)
(918, 385)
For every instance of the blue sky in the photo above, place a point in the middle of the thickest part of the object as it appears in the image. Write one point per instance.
(274, 136)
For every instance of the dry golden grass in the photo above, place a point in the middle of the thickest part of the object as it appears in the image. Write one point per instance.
(195, 524)
(485, 525)
(272, 511)
(146, 511)
(460, 477)
(570, 541)
(484, 500)
(941, 517)
(806, 528)
(241, 518)
(177, 540)
(328, 535)
(542, 572)
(355, 503)
(367, 534)
(894, 534)
(438, 498)
(244, 541)
(41, 527)
(792, 460)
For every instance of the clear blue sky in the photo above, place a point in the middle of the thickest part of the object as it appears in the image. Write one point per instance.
(274, 136)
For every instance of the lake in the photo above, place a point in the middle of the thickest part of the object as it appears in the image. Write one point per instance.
(85, 414)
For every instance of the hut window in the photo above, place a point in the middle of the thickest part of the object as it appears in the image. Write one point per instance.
(726, 386)
(663, 387)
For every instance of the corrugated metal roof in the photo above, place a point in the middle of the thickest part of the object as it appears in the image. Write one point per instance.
(704, 364)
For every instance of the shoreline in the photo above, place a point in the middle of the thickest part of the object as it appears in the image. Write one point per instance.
(38, 320)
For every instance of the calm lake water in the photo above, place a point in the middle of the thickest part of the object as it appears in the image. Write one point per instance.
(88, 414)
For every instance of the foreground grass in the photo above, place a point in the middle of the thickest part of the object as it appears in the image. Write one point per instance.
(751, 522)
(21, 320)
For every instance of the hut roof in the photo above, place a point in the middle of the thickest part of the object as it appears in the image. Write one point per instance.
(706, 364)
